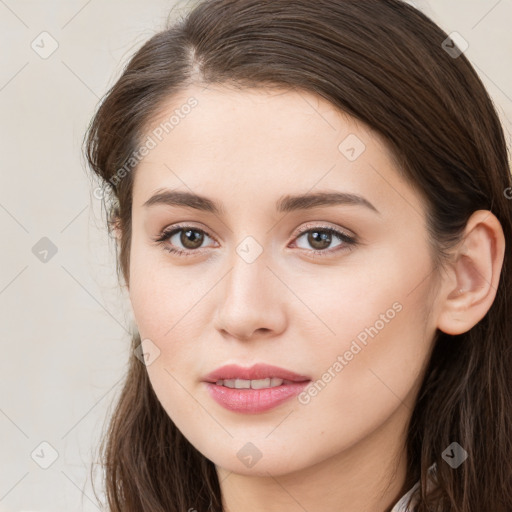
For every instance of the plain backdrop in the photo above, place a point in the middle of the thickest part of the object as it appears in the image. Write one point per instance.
(65, 322)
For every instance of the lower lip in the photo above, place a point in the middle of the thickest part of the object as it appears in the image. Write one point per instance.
(254, 400)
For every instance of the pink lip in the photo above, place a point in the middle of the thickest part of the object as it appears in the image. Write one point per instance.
(254, 400)
(257, 371)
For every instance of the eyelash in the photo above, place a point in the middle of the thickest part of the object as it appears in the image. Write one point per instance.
(349, 242)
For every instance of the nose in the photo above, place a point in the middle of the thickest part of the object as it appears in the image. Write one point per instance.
(251, 301)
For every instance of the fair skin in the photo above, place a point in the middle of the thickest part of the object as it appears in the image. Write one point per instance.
(344, 449)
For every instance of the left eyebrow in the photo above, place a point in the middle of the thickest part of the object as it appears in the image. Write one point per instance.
(285, 203)
(290, 203)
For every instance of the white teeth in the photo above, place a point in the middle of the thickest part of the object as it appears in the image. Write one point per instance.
(261, 383)
(253, 384)
(242, 384)
(274, 381)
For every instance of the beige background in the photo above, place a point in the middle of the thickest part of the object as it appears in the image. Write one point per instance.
(64, 322)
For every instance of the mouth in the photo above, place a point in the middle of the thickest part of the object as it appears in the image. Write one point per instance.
(253, 390)
(255, 374)
(269, 382)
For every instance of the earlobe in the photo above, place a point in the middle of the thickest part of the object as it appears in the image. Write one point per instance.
(473, 279)
(115, 226)
(117, 233)
(115, 229)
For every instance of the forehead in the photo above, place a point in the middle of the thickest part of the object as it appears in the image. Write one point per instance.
(221, 110)
(235, 142)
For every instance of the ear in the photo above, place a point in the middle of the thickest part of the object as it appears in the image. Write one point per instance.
(472, 280)
(115, 226)
(116, 230)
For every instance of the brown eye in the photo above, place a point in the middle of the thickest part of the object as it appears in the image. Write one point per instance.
(319, 239)
(191, 238)
(182, 240)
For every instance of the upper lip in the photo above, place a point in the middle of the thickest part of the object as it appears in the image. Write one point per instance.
(255, 372)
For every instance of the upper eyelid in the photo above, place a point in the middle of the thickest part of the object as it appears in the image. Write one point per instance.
(307, 227)
(172, 230)
(310, 226)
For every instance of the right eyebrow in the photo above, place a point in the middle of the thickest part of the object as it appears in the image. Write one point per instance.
(186, 199)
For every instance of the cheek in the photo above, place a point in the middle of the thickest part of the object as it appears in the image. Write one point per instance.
(381, 341)
(162, 295)
(170, 305)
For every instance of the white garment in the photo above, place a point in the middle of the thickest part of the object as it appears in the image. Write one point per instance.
(401, 505)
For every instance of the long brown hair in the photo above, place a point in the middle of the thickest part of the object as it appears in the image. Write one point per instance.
(388, 65)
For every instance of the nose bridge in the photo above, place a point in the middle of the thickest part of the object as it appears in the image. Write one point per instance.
(248, 281)
(251, 298)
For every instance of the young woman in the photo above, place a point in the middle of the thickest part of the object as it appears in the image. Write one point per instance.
(312, 206)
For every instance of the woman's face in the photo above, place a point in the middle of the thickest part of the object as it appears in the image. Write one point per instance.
(262, 280)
